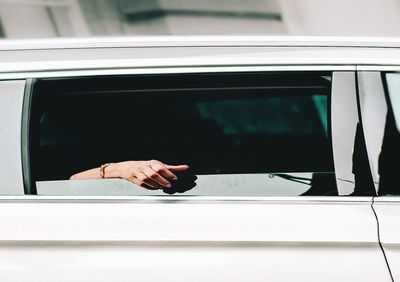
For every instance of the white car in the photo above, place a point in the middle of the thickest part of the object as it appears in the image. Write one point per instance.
(292, 144)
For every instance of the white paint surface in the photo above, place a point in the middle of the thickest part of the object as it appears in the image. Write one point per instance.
(11, 98)
(388, 212)
(290, 240)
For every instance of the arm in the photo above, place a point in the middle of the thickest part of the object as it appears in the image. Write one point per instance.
(151, 174)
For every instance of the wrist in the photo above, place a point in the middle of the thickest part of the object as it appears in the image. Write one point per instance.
(108, 170)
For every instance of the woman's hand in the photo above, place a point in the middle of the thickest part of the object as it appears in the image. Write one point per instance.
(151, 174)
(148, 174)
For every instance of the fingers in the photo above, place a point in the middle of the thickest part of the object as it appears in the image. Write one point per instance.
(144, 179)
(150, 174)
(154, 176)
(141, 183)
(177, 168)
(162, 169)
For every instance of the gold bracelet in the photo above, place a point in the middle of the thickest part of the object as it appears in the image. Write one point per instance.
(103, 169)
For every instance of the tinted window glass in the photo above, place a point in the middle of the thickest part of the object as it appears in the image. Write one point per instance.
(270, 124)
(390, 153)
(393, 85)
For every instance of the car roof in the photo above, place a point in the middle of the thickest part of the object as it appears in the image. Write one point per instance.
(194, 51)
(197, 41)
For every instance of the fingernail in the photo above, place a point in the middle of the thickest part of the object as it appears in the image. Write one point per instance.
(174, 178)
(168, 185)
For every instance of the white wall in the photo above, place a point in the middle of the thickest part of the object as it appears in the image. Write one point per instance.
(107, 18)
(342, 17)
(224, 25)
(105, 13)
(35, 19)
(25, 21)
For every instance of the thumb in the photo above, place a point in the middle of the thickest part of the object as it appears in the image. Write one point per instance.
(177, 167)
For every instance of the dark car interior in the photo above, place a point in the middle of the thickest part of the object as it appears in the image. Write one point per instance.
(216, 123)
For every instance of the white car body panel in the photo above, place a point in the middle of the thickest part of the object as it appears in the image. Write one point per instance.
(11, 99)
(180, 240)
(388, 211)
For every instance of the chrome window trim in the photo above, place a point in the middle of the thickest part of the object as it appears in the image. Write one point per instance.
(205, 61)
(378, 68)
(171, 70)
(183, 199)
(200, 41)
(387, 199)
(114, 58)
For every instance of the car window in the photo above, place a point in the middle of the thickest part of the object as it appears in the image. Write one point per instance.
(240, 133)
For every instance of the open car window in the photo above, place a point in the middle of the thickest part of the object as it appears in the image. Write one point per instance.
(254, 134)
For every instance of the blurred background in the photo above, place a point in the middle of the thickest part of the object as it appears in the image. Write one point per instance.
(84, 18)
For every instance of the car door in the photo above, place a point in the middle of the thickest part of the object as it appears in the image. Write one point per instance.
(379, 89)
(236, 237)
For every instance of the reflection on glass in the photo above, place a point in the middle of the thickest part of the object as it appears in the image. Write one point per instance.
(393, 85)
(260, 184)
(390, 153)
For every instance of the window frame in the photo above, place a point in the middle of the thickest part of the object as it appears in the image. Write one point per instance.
(30, 189)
